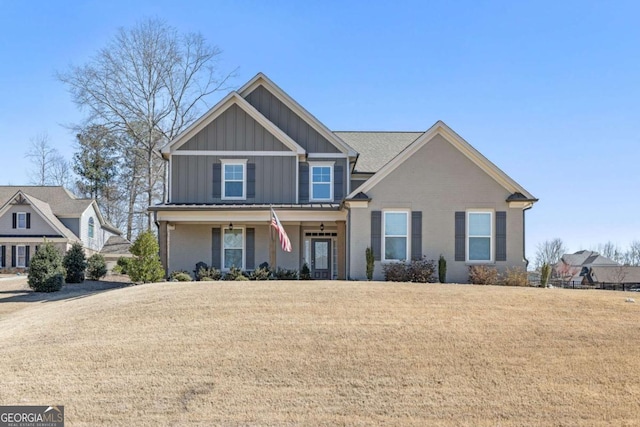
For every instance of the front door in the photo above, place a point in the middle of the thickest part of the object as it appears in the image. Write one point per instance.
(321, 259)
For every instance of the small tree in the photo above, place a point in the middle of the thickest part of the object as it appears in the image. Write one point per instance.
(46, 273)
(75, 264)
(545, 274)
(145, 266)
(442, 269)
(96, 267)
(371, 263)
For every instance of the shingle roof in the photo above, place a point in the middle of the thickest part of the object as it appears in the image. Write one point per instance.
(376, 149)
(587, 258)
(62, 202)
(116, 245)
(615, 274)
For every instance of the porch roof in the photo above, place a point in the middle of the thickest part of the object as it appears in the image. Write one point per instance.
(244, 206)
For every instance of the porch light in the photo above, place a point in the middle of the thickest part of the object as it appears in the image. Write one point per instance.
(230, 226)
(322, 226)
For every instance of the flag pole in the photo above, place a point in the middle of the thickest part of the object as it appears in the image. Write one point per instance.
(272, 242)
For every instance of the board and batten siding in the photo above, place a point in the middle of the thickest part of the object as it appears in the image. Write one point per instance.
(290, 123)
(192, 179)
(234, 130)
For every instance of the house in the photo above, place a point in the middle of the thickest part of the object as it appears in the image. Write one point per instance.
(405, 194)
(572, 268)
(611, 275)
(30, 214)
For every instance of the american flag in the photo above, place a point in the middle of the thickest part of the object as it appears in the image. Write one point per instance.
(284, 239)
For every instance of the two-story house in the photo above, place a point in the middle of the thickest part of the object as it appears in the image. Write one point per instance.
(406, 194)
(29, 214)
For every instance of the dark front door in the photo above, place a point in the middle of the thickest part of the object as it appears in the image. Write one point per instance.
(321, 259)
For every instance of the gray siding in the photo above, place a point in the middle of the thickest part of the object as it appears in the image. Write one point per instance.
(234, 130)
(39, 227)
(192, 179)
(340, 166)
(72, 224)
(292, 124)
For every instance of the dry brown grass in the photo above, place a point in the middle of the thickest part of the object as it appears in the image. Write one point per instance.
(321, 353)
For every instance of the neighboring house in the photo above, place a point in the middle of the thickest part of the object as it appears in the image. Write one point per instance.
(30, 214)
(572, 268)
(406, 194)
(603, 275)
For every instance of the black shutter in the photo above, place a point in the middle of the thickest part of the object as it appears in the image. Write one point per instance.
(27, 250)
(251, 180)
(303, 183)
(3, 256)
(216, 182)
(216, 248)
(460, 237)
(416, 235)
(28, 219)
(338, 180)
(15, 220)
(501, 236)
(250, 261)
(13, 256)
(376, 234)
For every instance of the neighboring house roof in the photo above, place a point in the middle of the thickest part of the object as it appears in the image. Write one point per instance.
(615, 274)
(440, 128)
(376, 149)
(586, 259)
(116, 245)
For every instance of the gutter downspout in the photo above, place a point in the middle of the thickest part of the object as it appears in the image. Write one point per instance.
(524, 251)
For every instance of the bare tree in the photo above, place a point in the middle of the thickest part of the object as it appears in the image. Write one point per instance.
(49, 167)
(611, 251)
(632, 256)
(550, 252)
(148, 84)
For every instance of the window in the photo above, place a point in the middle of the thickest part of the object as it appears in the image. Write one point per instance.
(22, 220)
(233, 179)
(233, 248)
(321, 181)
(21, 255)
(396, 237)
(91, 227)
(479, 235)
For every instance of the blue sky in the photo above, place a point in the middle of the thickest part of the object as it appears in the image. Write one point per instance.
(547, 90)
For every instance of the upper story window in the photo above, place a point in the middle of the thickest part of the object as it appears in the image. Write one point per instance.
(321, 181)
(21, 220)
(396, 236)
(91, 227)
(234, 182)
(479, 236)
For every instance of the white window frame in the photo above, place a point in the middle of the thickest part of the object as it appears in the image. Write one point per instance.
(234, 162)
(407, 236)
(244, 247)
(91, 228)
(491, 236)
(321, 165)
(24, 216)
(24, 256)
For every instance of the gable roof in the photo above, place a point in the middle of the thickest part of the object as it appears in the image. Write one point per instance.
(376, 149)
(44, 210)
(61, 201)
(262, 80)
(233, 98)
(615, 274)
(440, 128)
(116, 245)
(587, 259)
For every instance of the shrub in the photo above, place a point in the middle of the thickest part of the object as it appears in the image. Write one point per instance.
(96, 267)
(371, 262)
(234, 273)
(442, 269)
(421, 270)
(123, 263)
(206, 273)
(545, 275)
(515, 276)
(483, 275)
(46, 273)
(145, 266)
(284, 274)
(305, 272)
(180, 276)
(75, 263)
(395, 272)
(260, 273)
(241, 278)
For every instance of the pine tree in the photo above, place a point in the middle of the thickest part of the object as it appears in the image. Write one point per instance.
(75, 264)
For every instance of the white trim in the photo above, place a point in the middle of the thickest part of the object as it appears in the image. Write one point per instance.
(297, 171)
(261, 79)
(233, 162)
(244, 247)
(407, 236)
(440, 128)
(234, 153)
(491, 235)
(24, 264)
(312, 165)
(327, 156)
(216, 111)
(206, 216)
(18, 220)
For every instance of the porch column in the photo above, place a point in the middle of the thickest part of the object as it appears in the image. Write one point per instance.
(163, 242)
(272, 248)
(342, 249)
